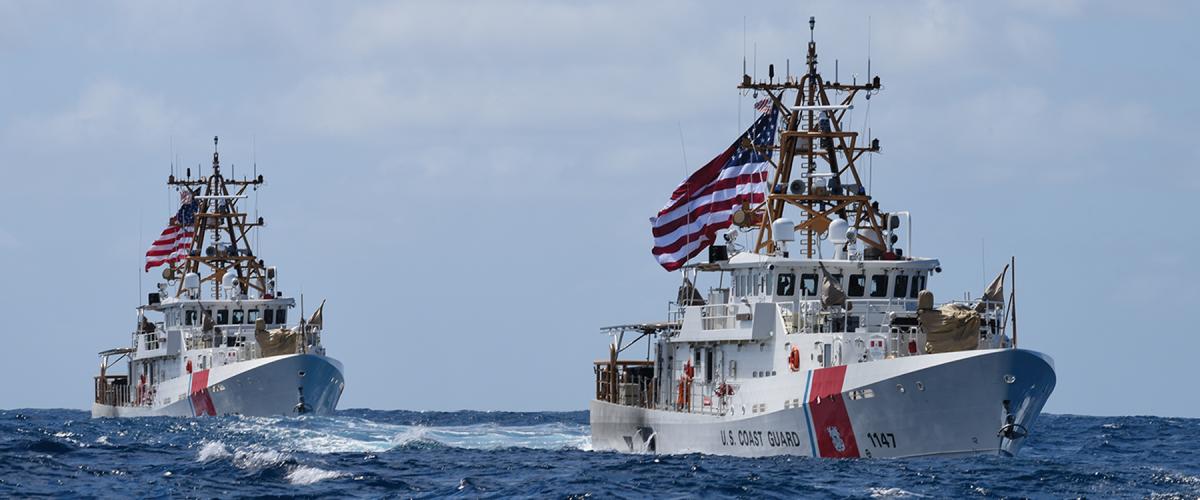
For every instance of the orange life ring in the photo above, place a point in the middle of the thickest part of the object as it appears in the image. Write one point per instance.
(794, 359)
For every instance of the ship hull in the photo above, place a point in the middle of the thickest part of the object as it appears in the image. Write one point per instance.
(964, 403)
(279, 385)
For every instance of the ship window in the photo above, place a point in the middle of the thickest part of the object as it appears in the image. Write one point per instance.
(281, 316)
(918, 285)
(708, 365)
(189, 317)
(858, 285)
(269, 316)
(808, 283)
(837, 280)
(900, 290)
(786, 284)
(879, 285)
(222, 316)
(251, 316)
(238, 316)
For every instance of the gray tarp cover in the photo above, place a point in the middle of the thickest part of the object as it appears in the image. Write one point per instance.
(952, 327)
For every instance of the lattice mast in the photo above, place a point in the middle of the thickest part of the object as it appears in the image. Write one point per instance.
(221, 244)
(813, 132)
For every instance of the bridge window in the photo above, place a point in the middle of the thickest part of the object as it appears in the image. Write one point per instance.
(269, 316)
(281, 316)
(222, 316)
(251, 316)
(879, 285)
(918, 285)
(900, 290)
(858, 285)
(189, 317)
(239, 316)
(785, 285)
(808, 284)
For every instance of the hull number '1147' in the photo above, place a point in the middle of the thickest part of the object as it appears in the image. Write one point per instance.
(882, 439)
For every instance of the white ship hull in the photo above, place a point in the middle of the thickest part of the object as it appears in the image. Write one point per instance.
(277, 385)
(951, 404)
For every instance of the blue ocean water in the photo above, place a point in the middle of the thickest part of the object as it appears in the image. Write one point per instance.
(368, 453)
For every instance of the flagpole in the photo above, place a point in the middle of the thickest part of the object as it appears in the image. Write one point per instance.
(1013, 300)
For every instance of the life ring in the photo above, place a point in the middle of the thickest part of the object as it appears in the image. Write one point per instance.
(794, 359)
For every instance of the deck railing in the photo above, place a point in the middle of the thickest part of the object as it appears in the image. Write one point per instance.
(112, 390)
(627, 382)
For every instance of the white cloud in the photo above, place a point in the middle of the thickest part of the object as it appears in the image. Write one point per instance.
(105, 110)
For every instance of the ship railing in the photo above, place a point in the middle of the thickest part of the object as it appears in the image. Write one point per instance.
(697, 396)
(112, 390)
(718, 316)
(626, 382)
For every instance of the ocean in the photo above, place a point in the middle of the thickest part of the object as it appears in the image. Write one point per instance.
(477, 454)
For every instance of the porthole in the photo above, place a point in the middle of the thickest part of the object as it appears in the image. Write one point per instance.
(920, 386)
(1008, 379)
(300, 373)
(900, 387)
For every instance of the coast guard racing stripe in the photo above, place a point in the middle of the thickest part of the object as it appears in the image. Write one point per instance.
(830, 422)
(202, 403)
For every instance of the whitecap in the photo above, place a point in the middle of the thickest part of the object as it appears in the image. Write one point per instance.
(305, 474)
(212, 450)
(892, 493)
(257, 457)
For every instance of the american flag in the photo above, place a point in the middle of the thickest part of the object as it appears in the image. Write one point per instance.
(704, 203)
(176, 240)
(763, 105)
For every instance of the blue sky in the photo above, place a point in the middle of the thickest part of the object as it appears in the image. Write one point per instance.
(469, 183)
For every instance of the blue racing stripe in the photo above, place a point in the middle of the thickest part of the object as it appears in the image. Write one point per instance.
(812, 438)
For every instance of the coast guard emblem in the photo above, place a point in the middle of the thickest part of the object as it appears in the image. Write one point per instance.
(837, 439)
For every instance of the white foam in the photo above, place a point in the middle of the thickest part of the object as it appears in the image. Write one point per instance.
(308, 475)
(892, 493)
(212, 450)
(257, 457)
(356, 435)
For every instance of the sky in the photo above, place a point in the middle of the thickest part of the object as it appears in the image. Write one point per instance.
(469, 183)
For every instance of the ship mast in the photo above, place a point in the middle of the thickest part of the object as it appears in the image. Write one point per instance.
(813, 133)
(221, 244)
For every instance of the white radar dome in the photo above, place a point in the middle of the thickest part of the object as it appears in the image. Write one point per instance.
(783, 229)
(837, 231)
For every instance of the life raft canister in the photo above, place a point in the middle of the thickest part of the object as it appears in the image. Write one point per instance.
(794, 359)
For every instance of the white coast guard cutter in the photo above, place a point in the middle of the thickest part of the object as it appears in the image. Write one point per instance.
(819, 338)
(215, 339)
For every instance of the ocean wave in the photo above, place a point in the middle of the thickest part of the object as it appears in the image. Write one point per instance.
(324, 435)
(211, 450)
(304, 475)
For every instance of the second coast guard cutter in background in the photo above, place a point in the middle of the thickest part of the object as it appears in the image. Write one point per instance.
(215, 338)
(817, 336)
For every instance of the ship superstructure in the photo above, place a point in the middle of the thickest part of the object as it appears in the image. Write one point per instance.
(817, 334)
(218, 337)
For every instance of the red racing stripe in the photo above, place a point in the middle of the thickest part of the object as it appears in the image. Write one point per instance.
(202, 402)
(831, 422)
